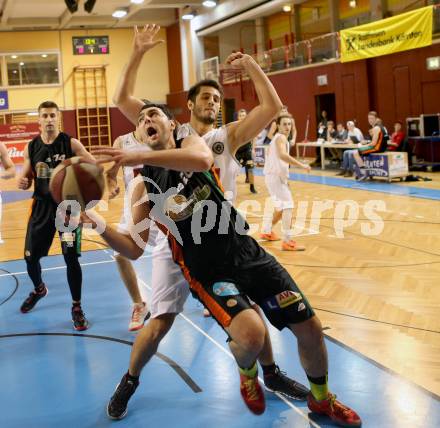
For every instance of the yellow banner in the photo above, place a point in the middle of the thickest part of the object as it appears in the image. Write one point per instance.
(399, 33)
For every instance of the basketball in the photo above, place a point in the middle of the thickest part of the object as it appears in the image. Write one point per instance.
(77, 179)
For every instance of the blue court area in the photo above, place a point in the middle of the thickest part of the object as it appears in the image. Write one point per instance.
(399, 189)
(53, 376)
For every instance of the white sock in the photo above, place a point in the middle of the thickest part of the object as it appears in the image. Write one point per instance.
(286, 222)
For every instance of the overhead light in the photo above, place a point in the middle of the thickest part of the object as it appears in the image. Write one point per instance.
(55, 69)
(72, 5)
(44, 55)
(33, 113)
(188, 14)
(119, 13)
(287, 8)
(352, 3)
(14, 71)
(209, 3)
(14, 56)
(21, 63)
(89, 5)
(136, 1)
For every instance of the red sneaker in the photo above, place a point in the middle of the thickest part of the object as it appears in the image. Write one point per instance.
(252, 394)
(335, 410)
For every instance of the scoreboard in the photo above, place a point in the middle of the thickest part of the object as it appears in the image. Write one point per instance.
(90, 45)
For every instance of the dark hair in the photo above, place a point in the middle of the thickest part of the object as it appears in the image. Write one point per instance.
(340, 123)
(242, 110)
(48, 104)
(283, 116)
(162, 107)
(195, 89)
(330, 122)
(399, 122)
(372, 113)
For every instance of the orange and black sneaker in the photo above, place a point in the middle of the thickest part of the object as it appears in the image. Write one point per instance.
(33, 298)
(335, 410)
(272, 236)
(79, 320)
(252, 393)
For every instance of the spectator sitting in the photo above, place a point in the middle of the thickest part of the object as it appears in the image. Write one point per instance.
(347, 165)
(331, 135)
(353, 132)
(341, 132)
(397, 137)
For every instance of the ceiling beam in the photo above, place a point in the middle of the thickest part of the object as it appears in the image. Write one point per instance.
(7, 6)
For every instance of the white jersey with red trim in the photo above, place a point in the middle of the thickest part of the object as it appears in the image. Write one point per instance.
(224, 160)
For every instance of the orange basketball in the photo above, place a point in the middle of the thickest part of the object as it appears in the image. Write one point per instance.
(77, 179)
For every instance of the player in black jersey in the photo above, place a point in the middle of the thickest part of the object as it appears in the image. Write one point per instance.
(221, 262)
(41, 156)
(245, 156)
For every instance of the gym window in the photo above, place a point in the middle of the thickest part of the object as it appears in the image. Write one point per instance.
(30, 69)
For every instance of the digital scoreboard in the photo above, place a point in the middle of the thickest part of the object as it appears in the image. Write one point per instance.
(90, 45)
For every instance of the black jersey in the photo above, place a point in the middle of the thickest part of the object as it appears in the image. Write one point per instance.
(243, 149)
(44, 158)
(210, 233)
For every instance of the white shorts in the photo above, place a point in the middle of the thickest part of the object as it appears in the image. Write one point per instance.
(169, 287)
(279, 191)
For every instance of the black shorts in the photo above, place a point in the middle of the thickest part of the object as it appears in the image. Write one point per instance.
(244, 156)
(41, 231)
(268, 284)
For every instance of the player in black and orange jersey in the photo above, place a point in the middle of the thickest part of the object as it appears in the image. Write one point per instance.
(41, 156)
(224, 266)
(378, 144)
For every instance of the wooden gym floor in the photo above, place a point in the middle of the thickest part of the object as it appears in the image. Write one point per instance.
(378, 295)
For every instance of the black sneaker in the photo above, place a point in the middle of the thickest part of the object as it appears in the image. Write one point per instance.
(279, 382)
(252, 189)
(32, 300)
(117, 406)
(79, 319)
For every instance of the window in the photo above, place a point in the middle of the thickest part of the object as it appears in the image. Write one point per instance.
(31, 69)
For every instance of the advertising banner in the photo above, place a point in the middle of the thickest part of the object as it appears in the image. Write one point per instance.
(399, 33)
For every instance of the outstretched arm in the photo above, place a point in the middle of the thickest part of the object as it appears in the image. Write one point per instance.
(124, 97)
(7, 163)
(80, 150)
(285, 156)
(129, 245)
(270, 104)
(194, 155)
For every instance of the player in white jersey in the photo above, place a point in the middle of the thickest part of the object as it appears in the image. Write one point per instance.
(168, 284)
(130, 141)
(276, 175)
(9, 172)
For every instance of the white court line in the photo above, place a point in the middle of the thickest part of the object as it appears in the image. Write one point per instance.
(64, 267)
(296, 409)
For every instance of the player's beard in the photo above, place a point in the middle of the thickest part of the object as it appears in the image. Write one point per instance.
(206, 120)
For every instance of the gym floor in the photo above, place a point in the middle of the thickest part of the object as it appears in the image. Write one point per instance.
(377, 297)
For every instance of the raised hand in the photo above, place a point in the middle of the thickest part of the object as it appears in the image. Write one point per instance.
(144, 39)
(238, 60)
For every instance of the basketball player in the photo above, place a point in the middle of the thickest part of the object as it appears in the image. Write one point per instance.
(276, 176)
(244, 155)
(223, 265)
(9, 172)
(169, 288)
(41, 156)
(129, 141)
(379, 142)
